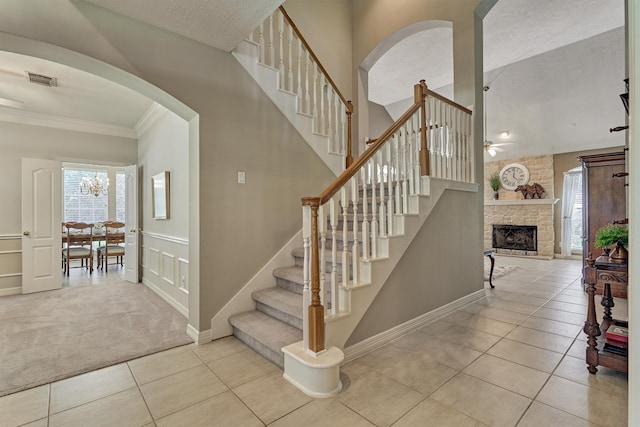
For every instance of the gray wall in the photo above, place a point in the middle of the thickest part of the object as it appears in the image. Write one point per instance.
(442, 264)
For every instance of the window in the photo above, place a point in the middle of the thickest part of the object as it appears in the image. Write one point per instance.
(121, 201)
(571, 241)
(83, 207)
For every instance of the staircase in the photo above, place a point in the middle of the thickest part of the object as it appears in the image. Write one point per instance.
(277, 320)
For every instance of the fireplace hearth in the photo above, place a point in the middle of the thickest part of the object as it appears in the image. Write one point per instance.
(517, 239)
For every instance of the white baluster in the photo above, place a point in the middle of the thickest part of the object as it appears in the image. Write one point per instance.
(333, 211)
(365, 213)
(330, 140)
(299, 76)
(382, 211)
(355, 249)
(306, 272)
(272, 49)
(307, 98)
(322, 232)
(323, 95)
(344, 202)
(281, 76)
(417, 143)
(261, 44)
(404, 147)
(290, 60)
(337, 107)
(373, 175)
(390, 208)
(395, 147)
(343, 129)
(315, 97)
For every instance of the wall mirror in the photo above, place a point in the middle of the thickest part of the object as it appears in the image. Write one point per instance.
(160, 195)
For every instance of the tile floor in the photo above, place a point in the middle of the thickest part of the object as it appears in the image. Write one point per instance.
(513, 358)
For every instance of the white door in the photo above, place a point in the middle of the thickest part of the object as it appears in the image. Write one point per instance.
(41, 225)
(131, 258)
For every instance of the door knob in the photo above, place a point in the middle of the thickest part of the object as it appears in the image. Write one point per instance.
(26, 233)
(133, 230)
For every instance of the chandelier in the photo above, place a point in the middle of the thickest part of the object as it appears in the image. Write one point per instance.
(95, 186)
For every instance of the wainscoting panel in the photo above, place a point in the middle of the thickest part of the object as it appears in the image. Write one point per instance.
(10, 264)
(165, 268)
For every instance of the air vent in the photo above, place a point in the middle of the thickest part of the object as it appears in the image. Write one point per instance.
(41, 80)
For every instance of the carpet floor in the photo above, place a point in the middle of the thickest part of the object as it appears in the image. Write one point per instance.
(49, 336)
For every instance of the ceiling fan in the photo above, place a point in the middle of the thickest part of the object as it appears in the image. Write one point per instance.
(489, 146)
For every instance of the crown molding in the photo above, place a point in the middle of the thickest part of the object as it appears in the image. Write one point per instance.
(153, 113)
(46, 120)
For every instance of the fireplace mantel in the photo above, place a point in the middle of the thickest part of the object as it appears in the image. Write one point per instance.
(521, 202)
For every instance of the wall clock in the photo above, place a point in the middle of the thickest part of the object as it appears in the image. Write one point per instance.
(513, 175)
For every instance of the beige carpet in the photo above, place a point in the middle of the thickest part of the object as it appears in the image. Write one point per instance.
(52, 335)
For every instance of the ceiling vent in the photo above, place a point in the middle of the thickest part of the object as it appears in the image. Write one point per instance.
(40, 79)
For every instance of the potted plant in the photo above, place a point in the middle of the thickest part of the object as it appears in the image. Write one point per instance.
(494, 183)
(616, 237)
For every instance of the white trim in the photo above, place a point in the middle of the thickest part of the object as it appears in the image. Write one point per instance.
(171, 239)
(168, 298)
(57, 122)
(153, 113)
(377, 341)
(10, 291)
(10, 275)
(199, 337)
(15, 251)
(10, 236)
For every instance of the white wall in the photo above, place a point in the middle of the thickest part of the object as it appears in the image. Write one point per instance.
(21, 140)
(163, 145)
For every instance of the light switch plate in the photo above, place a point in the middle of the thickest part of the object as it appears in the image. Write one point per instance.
(242, 177)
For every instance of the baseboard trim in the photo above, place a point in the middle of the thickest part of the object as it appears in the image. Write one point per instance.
(199, 337)
(10, 291)
(165, 296)
(377, 341)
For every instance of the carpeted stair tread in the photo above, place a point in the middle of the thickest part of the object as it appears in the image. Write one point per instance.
(264, 334)
(280, 303)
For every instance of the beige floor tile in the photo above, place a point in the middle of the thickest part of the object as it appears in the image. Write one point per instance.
(571, 299)
(25, 406)
(446, 353)
(567, 307)
(424, 376)
(512, 376)
(496, 313)
(472, 338)
(578, 349)
(539, 293)
(478, 399)
(224, 409)
(379, 398)
(241, 367)
(123, 409)
(541, 339)
(163, 364)
(40, 423)
(320, 413)
(484, 324)
(218, 348)
(561, 316)
(94, 385)
(607, 380)
(553, 326)
(527, 299)
(353, 370)
(527, 355)
(599, 407)
(388, 353)
(518, 307)
(271, 397)
(437, 414)
(180, 390)
(543, 415)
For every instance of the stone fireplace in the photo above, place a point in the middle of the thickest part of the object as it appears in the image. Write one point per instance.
(520, 238)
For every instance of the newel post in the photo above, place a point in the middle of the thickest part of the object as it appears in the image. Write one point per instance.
(349, 157)
(419, 95)
(315, 310)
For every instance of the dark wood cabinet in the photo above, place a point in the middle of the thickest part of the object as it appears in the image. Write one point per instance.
(603, 196)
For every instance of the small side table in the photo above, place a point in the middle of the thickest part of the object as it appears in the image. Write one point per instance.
(489, 254)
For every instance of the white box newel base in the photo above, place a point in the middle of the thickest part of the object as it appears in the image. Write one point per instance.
(315, 375)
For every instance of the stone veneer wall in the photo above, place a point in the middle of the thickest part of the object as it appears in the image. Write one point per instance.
(511, 208)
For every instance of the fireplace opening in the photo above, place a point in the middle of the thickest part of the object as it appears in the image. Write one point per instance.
(515, 237)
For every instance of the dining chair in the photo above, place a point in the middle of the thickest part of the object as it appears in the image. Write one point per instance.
(79, 245)
(114, 244)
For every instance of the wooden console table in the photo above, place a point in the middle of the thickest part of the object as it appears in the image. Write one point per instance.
(602, 274)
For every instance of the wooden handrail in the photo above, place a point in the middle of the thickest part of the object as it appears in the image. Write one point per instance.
(315, 58)
(345, 176)
(448, 101)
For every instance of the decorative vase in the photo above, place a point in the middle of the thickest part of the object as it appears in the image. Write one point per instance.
(495, 195)
(619, 254)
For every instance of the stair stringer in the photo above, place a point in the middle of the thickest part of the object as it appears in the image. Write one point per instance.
(357, 299)
(268, 79)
